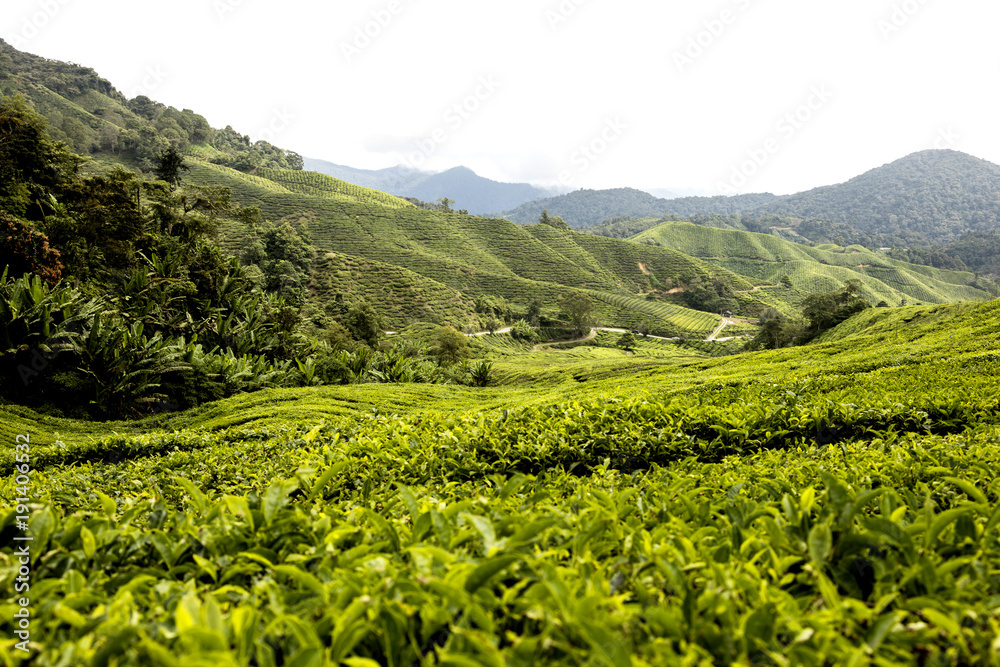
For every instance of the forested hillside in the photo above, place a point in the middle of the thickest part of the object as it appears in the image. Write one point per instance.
(94, 118)
(585, 208)
(932, 196)
(474, 193)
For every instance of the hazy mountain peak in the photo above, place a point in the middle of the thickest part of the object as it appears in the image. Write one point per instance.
(468, 190)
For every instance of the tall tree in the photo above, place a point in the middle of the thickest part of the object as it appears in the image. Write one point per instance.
(626, 342)
(827, 310)
(556, 222)
(449, 346)
(32, 166)
(534, 314)
(364, 322)
(25, 250)
(169, 167)
(579, 309)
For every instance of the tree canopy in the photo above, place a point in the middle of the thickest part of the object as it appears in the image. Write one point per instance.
(579, 309)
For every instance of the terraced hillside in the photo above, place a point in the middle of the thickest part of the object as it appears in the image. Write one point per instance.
(474, 256)
(242, 185)
(832, 504)
(321, 185)
(765, 259)
(400, 296)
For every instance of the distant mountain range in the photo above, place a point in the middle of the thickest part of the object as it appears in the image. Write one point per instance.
(931, 197)
(477, 195)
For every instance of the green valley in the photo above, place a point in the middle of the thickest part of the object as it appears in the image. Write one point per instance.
(258, 416)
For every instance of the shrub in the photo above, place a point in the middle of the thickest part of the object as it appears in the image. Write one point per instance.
(523, 331)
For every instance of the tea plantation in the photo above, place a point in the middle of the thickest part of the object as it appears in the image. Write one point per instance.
(767, 258)
(833, 504)
(438, 261)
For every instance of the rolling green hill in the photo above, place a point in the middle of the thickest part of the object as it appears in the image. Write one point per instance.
(478, 256)
(765, 259)
(321, 185)
(585, 208)
(401, 296)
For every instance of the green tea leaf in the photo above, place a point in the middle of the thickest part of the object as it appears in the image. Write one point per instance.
(487, 570)
(197, 497)
(970, 489)
(276, 497)
(89, 543)
(305, 579)
(324, 479)
(820, 543)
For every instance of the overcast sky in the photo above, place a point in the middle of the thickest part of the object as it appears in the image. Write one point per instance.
(732, 95)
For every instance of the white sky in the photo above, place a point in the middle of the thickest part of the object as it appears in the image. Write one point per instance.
(604, 68)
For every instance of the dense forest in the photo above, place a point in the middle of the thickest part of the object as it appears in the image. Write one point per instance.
(933, 196)
(87, 113)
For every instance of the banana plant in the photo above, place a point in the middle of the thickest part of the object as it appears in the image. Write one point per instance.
(308, 375)
(126, 365)
(33, 315)
(481, 373)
